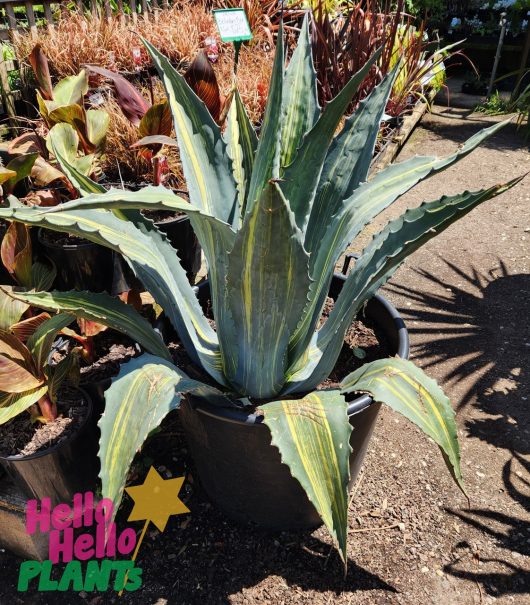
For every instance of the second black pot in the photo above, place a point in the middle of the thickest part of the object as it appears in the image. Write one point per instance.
(242, 472)
(62, 470)
(80, 266)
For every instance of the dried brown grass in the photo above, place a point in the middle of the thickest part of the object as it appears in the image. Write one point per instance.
(78, 39)
(179, 33)
(122, 161)
(253, 81)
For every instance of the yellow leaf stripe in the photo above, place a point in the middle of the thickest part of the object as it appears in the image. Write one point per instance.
(312, 435)
(404, 387)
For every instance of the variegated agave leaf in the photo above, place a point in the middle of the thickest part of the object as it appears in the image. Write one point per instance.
(273, 217)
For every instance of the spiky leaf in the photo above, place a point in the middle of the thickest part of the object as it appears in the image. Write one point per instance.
(313, 436)
(241, 144)
(300, 108)
(405, 388)
(301, 177)
(102, 308)
(144, 392)
(267, 287)
(205, 163)
(267, 159)
(376, 264)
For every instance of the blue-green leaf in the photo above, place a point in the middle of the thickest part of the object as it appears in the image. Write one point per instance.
(313, 436)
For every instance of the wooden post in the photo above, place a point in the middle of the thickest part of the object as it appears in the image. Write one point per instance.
(145, 12)
(11, 19)
(31, 19)
(7, 94)
(154, 4)
(108, 10)
(48, 15)
(120, 11)
(522, 65)
(133, 11)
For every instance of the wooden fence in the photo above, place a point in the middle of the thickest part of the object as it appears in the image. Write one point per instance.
(24, 15)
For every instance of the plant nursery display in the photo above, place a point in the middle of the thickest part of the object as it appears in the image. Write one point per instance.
(273, 215)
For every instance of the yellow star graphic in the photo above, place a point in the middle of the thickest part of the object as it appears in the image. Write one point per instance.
(156, 499)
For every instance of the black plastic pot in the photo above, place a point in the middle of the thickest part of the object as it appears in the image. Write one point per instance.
(185, 242)
(242, 472)
(62, 470)
(81, 266)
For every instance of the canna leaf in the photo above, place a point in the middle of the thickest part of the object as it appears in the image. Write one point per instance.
(25, 328)
(131, 102)
(42, 276)
(313, 436)
(14, 378)
(62, 372)
(12, 404)
(11, 310)
(64, 140)
(156, 121)
(39, 64)
(6, 175)
(21, 165)
(202, 80)
(97, 124)
(16, 253)
(156, 139)
(44, 173)
(41, 341)
(70, 90)
(408, 390)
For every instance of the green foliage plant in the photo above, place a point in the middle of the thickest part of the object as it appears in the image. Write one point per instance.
(273, 215)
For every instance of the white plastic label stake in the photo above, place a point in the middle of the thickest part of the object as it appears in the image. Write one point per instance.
(232, 24)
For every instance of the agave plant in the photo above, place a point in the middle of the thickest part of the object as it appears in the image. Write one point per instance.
(273, 217)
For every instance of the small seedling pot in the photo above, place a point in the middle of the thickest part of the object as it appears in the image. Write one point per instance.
(62, 470)
(242, 472)
(80, 266)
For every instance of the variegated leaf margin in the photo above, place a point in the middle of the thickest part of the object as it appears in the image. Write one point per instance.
(313, 436)
(405, 388)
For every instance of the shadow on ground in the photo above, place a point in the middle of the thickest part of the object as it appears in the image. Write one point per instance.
(449, 126)
(483, 321)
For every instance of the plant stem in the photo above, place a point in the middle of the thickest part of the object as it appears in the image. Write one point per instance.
(48, 408)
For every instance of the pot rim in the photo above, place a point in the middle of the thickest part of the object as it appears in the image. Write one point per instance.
(57, 446)
(42, 240)
(240, 417)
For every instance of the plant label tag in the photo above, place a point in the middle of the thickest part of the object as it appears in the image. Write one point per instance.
(232, 24)
(96, 99)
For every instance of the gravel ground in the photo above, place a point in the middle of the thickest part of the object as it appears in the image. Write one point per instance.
(413, 539)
